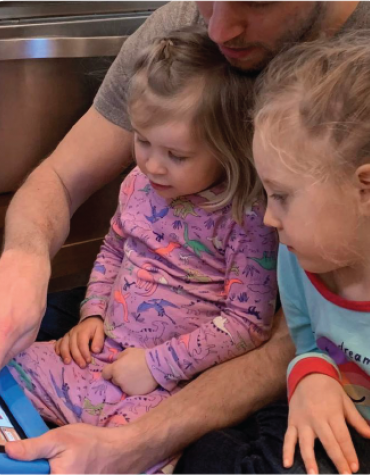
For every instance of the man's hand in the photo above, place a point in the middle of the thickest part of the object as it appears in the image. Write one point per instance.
(82, 448)
(320, 408)
(76, 343)
(131, 373)
(23, 285)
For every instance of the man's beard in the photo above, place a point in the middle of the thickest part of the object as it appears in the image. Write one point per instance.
(308, 30)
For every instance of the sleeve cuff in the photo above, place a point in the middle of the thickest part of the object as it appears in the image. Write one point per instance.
(310, 365)
(164, 376)
(93, 306)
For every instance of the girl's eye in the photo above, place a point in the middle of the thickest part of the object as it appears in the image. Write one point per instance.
(142, 141)
(176, 157)
(278, 197)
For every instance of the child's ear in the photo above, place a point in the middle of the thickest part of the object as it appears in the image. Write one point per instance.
(363, 183)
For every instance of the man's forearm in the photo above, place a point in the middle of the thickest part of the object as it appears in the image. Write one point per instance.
(220, 397)
(37, 220)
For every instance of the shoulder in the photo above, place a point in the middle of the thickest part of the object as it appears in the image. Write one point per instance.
(135, 181)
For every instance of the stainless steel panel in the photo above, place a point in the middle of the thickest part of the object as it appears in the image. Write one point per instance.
(68, 39)
(22, 11)
(49, 74)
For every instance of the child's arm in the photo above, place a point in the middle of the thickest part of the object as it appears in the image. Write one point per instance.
(318, 405)
(246, 310)
(107, 264)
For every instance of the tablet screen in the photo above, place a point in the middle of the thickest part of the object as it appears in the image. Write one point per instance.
(9, 429)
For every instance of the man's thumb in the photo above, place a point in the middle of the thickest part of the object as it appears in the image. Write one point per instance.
(31, 449)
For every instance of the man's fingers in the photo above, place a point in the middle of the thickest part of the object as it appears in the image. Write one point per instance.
(306, 445)
(290, 442)
(32, 449)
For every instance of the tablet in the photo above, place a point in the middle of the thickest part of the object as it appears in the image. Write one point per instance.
(18, 420)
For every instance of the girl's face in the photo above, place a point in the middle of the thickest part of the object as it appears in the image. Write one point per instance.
(316, 219)
(174, 161)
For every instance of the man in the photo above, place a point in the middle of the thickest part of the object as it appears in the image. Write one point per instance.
(249, 34)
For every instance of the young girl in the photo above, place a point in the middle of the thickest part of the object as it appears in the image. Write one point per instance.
(312, 152)
(185, 278)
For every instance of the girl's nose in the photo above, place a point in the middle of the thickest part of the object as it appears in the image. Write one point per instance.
(155, 166)
(271, 220)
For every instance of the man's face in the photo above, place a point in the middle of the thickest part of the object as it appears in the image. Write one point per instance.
(250, 34)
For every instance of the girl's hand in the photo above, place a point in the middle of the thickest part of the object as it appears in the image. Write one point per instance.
(131, 373)
(77, 342)
(320, 408)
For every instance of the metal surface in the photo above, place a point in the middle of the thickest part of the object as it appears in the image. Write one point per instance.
(73, 39)
(17, 12)
(49, 74)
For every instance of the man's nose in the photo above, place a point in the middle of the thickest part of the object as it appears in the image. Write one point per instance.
(226, 22)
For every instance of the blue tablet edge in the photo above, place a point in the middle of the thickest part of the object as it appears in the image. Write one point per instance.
(29, 420)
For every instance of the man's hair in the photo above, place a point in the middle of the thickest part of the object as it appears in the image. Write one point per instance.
(184, 76)
(323, 89)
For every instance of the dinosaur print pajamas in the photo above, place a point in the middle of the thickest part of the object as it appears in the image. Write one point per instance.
(189, 285)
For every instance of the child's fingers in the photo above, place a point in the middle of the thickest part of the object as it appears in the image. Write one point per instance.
(306, 439)
(333, 449)
(341, 433)
(83, 343)
(57, 347)
(98, 340)
(290, 442)
(64, 350)
(355, 419)
(75, 351)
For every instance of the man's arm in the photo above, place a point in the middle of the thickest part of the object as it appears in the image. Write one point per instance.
(222, 396)
(37, 221)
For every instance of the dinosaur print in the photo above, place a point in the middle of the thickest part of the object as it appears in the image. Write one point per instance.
(22, 374)
(165, 251)
(158, 305)
(63, 394)
(170, 279)
(228, 284)
(193, 275)
(267, 261)
(156, 215)
(91, 409)
(147, 281)
(128, 186)
(121, 299)
(197, 246)
(220, 322)
(182, 208)
(146, 189)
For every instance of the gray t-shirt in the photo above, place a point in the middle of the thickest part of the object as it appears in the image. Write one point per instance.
(110, 100)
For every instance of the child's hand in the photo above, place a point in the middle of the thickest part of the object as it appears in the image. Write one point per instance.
(76, 343)
(131, 373)
(319, 408)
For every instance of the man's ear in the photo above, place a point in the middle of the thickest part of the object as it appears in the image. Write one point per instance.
(362, 176)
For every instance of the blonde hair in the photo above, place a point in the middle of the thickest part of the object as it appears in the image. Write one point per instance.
(322, 88)
(218, 105)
